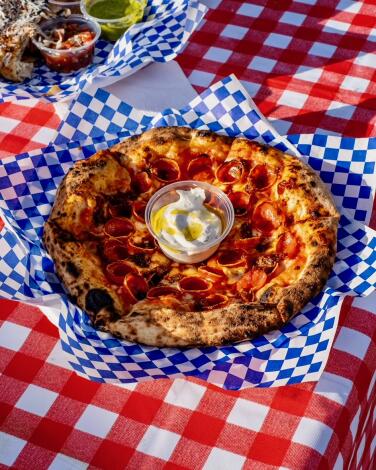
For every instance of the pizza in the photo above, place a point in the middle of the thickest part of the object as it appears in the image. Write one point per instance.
(277, 256)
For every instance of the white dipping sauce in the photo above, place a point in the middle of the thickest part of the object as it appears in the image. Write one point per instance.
(188, 224)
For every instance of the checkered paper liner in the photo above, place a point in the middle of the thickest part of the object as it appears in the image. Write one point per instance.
(162, 34)
(294, 354)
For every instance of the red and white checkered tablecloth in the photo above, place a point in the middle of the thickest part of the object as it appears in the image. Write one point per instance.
(310, 65)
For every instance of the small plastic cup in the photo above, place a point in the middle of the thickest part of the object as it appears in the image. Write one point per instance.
(216, 200)
(113, 28)
(57, 5)
(75, 58)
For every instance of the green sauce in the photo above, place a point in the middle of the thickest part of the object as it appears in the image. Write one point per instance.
(128, 12)
(109, 9)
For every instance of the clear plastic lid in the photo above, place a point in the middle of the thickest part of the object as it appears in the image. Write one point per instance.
(215, 200)
(58, 22)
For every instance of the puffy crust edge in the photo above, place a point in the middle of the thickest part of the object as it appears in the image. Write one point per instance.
(81, 273)
(290, 300)
(167, 327)
(161, 139)
(319, 191)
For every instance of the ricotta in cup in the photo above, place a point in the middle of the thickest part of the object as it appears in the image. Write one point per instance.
(188, 224)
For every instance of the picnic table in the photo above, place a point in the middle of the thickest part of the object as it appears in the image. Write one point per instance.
(310, 67)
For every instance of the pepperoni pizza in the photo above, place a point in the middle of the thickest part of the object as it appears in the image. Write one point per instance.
(277, 256)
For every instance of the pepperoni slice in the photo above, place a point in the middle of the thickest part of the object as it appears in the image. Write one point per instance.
(253, 279)
(265, 217)
(141, 183)
(166, 170)
(247, 244)
(142, 245)
(195, 284)
(201, 169)
(114, 250)
(212, 301)
(240, 201)
(117, 271)
(230, 258)
(138, 210)
(134, 288)
(118, 227)
(229, 172)
(262, 177)
(288, 245)
(213, 274)
(156, 292)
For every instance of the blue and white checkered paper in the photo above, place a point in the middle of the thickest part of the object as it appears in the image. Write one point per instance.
(162, 34)
(294, 354)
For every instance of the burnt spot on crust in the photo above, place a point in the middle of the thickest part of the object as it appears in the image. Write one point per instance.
(316, 214)
(289, 307)
(72, 269)
(116, 155)
(64, 236)
(267, 295)
(204, 133)
(95, 164)
(97, 299)
(59, 233)
(161, 140)
(212, 137)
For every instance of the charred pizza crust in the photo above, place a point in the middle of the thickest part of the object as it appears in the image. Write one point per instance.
(126, 169)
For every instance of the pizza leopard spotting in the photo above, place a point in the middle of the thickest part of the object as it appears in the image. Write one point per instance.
(277, 256)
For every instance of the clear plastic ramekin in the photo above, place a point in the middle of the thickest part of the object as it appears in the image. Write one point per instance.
(216, 200)
(112, 29)
(75, 58)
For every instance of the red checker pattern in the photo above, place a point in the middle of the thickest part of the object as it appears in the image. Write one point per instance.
(314, 58)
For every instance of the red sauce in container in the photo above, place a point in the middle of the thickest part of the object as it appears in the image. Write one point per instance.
(67, 44)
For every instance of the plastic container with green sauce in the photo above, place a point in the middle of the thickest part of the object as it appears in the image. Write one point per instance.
(114, 16)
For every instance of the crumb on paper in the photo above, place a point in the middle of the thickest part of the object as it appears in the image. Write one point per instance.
(55, 89)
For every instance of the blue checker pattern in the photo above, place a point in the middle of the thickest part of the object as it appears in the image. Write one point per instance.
(160, 36)
(294, 354)
(346, 165)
